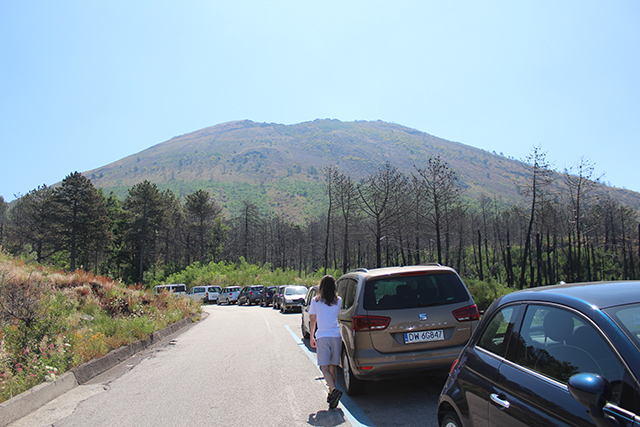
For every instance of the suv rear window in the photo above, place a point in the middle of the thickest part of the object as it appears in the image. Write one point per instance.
(413, 291)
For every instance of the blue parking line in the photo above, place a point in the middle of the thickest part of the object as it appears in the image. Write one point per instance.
(355, 416)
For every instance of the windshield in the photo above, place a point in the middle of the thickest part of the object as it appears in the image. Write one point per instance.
(295, 290)
(233, 289)
(178, 288)
(414, 291)
(628, 319)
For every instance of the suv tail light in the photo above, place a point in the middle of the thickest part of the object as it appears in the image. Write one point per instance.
(467, 314)
(370, 323)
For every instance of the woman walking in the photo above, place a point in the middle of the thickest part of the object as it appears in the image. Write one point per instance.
(326, 339)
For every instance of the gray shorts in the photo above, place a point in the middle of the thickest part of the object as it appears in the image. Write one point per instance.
(328, 351)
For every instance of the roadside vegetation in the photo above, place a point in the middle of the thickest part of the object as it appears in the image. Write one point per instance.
(239, 274)
(52, 321)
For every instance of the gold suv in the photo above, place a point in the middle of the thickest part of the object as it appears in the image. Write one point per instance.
(399, 320)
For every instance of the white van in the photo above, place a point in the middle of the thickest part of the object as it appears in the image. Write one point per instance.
(176, 288)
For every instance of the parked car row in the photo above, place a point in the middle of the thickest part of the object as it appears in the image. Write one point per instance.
(205, 294)
(285, 298)
(567, 354)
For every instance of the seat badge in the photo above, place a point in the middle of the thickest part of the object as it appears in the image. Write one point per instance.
(423, 316)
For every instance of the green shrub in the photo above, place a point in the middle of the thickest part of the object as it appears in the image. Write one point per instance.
(486, 292)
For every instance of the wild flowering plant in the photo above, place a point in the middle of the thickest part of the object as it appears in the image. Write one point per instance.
(44, 362)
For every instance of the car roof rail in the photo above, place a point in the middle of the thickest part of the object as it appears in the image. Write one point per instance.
(361, 269)
(432, 264)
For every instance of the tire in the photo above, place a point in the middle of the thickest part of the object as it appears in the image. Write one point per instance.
(451, 420)
(353, 386)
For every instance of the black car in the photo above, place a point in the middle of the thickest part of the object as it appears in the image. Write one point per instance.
(267, 295)
(250, 295)
(557, 355)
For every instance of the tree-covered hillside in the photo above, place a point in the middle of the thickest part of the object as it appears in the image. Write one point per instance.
(280, 167)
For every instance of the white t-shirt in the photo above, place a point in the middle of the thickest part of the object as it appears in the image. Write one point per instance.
(326, 318)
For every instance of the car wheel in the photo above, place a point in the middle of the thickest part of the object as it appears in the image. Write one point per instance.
(451, 420)
(352, 385)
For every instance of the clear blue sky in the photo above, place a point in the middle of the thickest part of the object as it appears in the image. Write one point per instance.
(85, 83)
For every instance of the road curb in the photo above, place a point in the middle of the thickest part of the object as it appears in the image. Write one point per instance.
(38, 396)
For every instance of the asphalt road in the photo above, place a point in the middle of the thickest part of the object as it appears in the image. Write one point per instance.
(240, 366)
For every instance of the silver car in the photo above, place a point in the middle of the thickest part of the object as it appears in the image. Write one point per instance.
(198, 293)
(229, 295)
(292, 298)
(213, 292)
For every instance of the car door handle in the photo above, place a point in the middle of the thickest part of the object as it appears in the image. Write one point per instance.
(504, 404)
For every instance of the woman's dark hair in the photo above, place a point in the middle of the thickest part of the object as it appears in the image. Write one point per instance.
(327, 290)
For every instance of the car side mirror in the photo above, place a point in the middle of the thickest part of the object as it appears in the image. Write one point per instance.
(593, 391)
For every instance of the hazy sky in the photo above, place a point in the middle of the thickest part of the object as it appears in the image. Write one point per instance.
(85, 83)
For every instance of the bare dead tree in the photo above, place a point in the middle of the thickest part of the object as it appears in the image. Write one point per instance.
(540, 178)
(442, 192)
(379, 194)
(580, 181)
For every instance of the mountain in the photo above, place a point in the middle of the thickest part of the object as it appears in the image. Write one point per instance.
(280, 167)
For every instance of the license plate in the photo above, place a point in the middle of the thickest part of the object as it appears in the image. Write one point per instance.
(423, 336)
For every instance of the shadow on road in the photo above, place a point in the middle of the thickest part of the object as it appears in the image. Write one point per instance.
(327, 418)
(406, 401)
